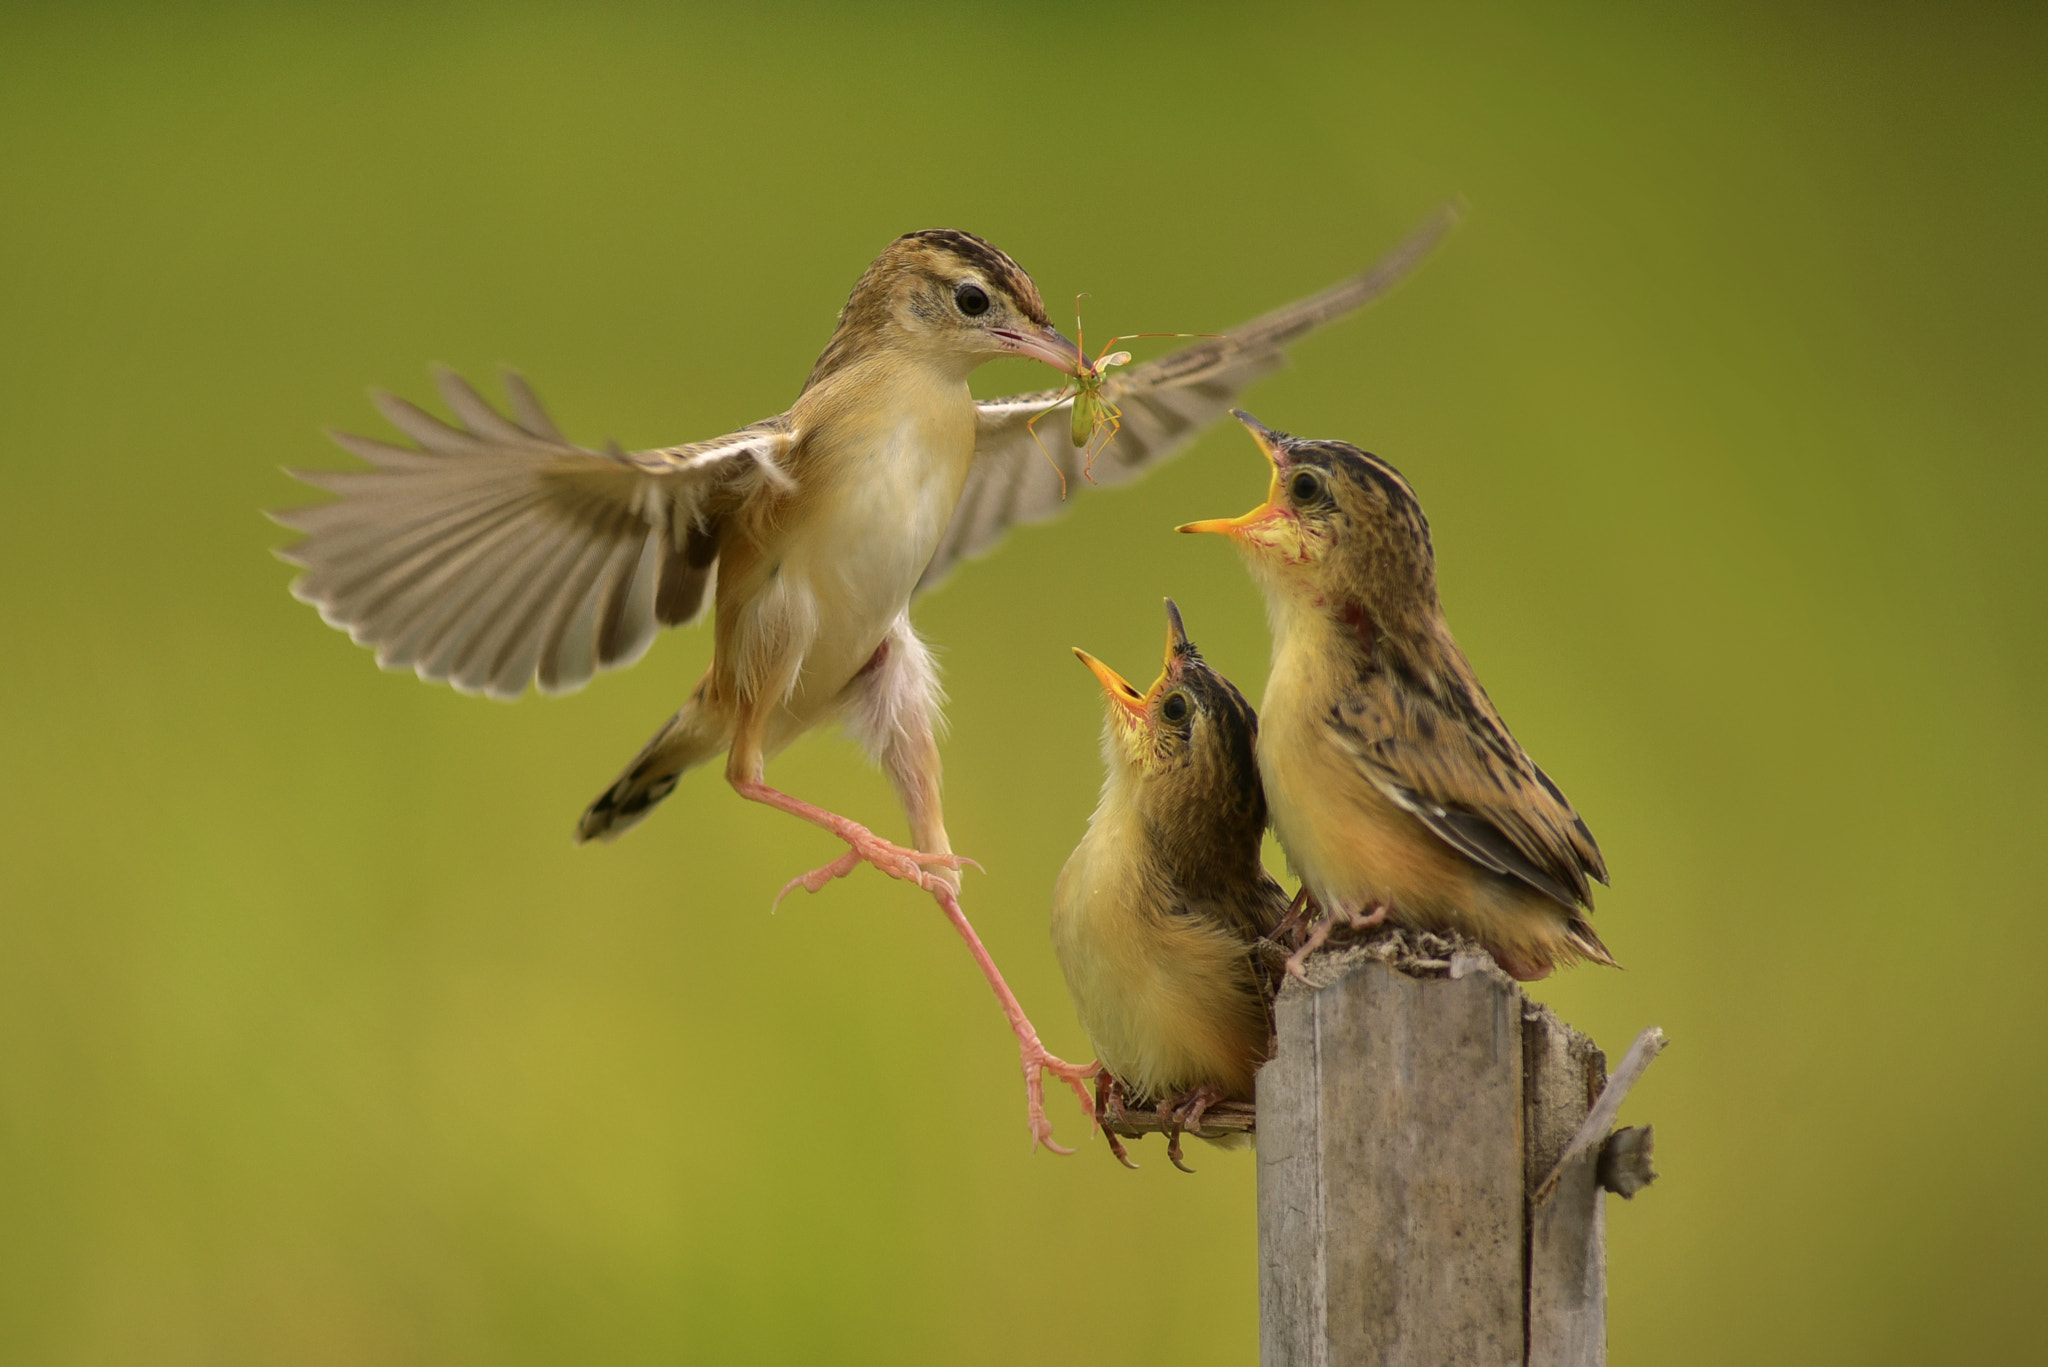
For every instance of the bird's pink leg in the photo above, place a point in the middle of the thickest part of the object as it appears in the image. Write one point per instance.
(865, 847)
(1034, 1057)
(901, 862)
(1355, 919)
(1314, 942)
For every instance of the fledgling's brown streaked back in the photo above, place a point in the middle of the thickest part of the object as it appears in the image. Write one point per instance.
(1394, 781)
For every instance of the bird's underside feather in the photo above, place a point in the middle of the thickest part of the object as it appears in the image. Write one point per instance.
(1468, 781)
(496, 553)
(1024, 471)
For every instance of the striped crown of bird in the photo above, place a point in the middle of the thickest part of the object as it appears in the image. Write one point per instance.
(496, 553)
(1396, 789)
(1157, 910)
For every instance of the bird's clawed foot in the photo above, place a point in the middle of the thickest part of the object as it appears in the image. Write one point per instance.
(865, 847)
(1299, 910)
(1037, 1062)
(1109, 1110)
(1310, 943)
(1353, 918)
(1185, 1112)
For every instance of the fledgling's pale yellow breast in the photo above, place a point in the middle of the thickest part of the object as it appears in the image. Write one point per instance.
(1167, 998)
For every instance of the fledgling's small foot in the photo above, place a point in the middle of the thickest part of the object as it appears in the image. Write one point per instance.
(1169, 1123)
(1289, 928)
(1185, 1112)
(1316, 936)
(1354, 919)
(1359, 920)
(1109, 1110)
(1192, 1106)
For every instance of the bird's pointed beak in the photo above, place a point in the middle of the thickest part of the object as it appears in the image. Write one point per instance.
(1113, 684)
(1271, 442)
(1177, 644)
(1270, 445)
(1043, 343)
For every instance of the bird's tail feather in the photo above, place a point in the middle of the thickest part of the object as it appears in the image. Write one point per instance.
(686, 740)
(1579, 934)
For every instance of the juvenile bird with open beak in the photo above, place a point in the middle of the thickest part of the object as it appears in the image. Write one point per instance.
(1394, 785)
(496, 553)
(1155, 915)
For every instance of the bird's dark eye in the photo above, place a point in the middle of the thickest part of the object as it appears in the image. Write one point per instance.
(1175, 708)
(1305, 487)
(972, 299)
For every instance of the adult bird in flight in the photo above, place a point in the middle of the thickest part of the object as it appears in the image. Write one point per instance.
(495, 552)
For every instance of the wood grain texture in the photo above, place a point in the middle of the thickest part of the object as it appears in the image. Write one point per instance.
(1562, 1072)
(1598, 1125)
(1391, 1174)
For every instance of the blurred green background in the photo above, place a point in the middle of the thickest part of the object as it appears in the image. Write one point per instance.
(319, 1042)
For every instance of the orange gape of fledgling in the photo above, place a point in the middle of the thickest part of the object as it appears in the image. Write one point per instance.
(1156, 912)
(1395, 787)
(496, 553)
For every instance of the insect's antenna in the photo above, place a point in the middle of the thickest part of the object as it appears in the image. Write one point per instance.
(1080, 333)
(1134, 336)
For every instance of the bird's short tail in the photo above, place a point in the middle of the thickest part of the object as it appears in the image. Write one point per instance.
(686, 740)
(1579, 934)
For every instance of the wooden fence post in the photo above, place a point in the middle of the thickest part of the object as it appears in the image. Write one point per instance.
(1429, 1168)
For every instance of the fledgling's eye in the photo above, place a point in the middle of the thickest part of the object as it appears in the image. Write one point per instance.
(971, 298)
(1305, 487)
(1175, 708)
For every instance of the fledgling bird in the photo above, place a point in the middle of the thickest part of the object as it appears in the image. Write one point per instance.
(1395, 787)
(496, 553)
(1156, 913)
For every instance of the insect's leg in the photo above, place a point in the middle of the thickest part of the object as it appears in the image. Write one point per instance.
(1112, 417)
(1032, 428)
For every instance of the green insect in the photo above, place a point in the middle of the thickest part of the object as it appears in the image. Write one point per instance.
(1097, 419)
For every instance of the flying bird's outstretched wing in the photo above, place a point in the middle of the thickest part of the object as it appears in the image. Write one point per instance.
(1024, 475)
(496, 553)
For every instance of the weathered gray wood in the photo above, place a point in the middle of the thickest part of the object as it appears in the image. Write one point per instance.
(1599, 1121)
(1625, 1166)
(1561, 1074)
(1430, 1144)
(1391, 1173)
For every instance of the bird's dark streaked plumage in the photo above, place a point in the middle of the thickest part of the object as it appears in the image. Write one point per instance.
(496, 553)
(1392, 779)
(1157, 910)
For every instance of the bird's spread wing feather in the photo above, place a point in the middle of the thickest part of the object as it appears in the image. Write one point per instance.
(1024, 470)
(1453, 765)
(496, 553)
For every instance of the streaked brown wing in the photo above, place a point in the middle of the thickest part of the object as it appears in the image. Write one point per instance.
(1452, 763)
(497, 553)
(1023, 476)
